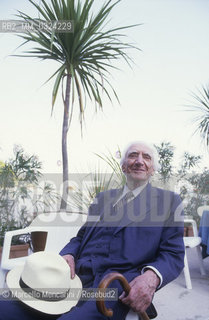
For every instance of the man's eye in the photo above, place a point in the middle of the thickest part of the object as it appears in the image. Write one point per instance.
(132, 155)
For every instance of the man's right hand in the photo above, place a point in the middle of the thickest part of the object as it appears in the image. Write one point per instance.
(71, 262)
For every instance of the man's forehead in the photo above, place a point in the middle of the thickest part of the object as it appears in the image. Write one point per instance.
(139, 148)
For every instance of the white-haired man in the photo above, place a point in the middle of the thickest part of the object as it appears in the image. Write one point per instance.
(138, 237)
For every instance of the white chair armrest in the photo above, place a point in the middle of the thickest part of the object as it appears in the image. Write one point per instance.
(192, 242)
(6, 262)
(194, 225)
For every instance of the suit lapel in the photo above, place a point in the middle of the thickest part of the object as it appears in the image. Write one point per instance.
(136, 211)
(106, 205)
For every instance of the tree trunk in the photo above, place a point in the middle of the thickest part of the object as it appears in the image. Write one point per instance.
(65, 125)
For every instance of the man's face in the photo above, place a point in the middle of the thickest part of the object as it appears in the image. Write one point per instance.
(138, 164)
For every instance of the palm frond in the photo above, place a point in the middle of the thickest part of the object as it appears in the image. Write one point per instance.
(114, 165)
(202, 108)
(59, 77)
(92, 184)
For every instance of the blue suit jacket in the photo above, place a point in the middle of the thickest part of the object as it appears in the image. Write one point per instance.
(149, 232)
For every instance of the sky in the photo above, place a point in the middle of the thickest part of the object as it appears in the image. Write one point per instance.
(154, 93)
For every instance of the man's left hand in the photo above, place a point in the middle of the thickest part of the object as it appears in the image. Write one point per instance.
(142, 290)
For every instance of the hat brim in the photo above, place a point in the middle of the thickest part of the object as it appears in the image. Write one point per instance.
(49, 307)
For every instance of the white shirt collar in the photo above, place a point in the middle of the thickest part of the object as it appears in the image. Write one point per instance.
(135, 192)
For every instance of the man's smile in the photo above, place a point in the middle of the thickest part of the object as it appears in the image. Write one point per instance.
(138, 169)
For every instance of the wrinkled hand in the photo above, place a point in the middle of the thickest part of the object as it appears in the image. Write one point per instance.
(71, 262)
(142, 290)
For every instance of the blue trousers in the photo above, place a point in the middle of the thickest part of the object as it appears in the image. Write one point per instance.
(84, 310)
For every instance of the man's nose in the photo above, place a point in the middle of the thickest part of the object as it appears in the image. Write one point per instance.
(139, 159)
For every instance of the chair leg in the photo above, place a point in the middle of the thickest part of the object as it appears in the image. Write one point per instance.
(132, 315)
(187, 273)
(2, 277)
(199, 253)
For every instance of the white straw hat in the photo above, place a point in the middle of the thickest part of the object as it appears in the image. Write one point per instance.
(44, 283)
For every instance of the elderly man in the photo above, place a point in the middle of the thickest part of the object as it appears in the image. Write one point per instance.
(137, 232)
(137, 235)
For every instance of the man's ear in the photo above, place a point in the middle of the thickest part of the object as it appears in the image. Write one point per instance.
(153, 172)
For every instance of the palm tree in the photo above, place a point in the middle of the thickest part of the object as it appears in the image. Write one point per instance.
(86, 57)
(202, 107)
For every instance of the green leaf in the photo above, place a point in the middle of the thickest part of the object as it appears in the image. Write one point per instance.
(60, 75)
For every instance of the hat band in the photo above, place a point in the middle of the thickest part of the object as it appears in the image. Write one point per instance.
(44, 296)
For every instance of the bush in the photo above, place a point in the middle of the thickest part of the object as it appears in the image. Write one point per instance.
(21, 196)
